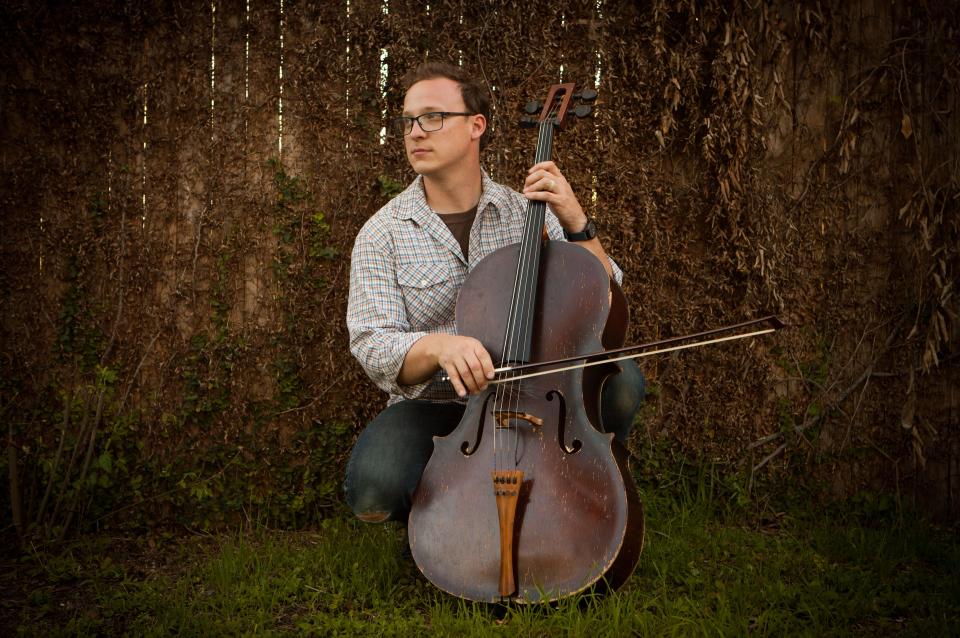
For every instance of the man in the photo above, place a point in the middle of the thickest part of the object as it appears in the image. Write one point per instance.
(408, 264)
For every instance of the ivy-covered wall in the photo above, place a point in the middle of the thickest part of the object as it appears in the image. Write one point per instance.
(182, 185)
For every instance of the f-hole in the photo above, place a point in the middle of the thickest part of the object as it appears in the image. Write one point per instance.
(465, 446)
(562, 425)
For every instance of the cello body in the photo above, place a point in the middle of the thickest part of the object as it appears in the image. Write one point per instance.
(575, 519)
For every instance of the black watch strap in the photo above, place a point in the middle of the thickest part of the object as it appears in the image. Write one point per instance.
(589, 232)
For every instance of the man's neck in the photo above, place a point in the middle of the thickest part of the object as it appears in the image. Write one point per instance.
(453, 193)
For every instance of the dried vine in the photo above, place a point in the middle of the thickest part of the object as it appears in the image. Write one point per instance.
(173, 281)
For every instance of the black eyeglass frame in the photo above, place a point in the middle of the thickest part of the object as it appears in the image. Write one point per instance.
(408, 121)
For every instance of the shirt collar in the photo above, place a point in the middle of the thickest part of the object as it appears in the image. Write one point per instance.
(492, 194)
(412, 202)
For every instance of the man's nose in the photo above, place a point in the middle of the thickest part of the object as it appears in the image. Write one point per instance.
(417, 131)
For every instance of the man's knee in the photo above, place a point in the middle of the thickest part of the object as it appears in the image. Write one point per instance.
(622, 396)
(389, 457)
(371, 496)
(373, 517)
(373, 505)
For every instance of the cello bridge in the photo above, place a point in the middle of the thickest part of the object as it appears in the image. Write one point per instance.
(504, 417)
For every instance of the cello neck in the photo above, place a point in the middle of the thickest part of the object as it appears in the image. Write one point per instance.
(520, 323)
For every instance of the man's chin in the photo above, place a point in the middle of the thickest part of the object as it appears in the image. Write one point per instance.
(422, 167)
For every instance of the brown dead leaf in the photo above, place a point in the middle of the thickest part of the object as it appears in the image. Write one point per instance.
(906, 126)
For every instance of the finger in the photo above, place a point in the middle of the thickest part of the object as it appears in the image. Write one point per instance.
(543, 170)
(486, 362)
(466, 375)
(552, 185)
(476, 370)
(535, 178)
(541, 196)
(547, 184)
(454, 375)
(548, 167)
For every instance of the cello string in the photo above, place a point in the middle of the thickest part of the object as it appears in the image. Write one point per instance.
(521, 296)
(510, 334)
(530, 257)
(509, 340)
(517, 325)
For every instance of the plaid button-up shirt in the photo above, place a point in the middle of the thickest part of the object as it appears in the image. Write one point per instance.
(405, 274)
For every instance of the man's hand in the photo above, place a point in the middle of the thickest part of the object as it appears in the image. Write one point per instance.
(546, 183)
(464, 359)
(466, 362)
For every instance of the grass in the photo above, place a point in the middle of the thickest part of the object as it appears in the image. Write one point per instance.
(708, 568)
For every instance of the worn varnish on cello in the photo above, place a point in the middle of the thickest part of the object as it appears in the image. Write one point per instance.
(527, 499)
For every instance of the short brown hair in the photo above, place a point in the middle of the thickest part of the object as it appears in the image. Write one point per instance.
(475, 96)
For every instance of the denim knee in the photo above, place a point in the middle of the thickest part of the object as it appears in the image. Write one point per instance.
(373, 491)
(376, 486)
(390, 455)
(621, 398)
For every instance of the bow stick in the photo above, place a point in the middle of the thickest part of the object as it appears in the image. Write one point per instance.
(507, 374)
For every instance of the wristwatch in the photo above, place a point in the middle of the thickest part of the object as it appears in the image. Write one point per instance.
(589, 232)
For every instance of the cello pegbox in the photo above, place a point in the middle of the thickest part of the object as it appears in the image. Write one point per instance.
(556, 104)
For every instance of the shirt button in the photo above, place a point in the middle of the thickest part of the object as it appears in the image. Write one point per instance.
(423, 282)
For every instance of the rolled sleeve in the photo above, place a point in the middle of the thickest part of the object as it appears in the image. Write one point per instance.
(380, 335)
(615, 269)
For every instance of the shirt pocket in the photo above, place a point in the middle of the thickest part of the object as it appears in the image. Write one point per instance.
(429, 293)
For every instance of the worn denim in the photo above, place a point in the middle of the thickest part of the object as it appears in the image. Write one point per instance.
(392, 451)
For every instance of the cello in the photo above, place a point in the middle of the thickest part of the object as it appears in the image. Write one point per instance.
(528, 500)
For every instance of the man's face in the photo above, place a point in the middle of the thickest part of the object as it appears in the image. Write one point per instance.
(431, 153)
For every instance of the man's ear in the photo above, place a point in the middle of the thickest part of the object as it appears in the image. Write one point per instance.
(479, 126)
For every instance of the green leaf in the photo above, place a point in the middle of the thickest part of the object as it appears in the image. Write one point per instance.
(105, 462)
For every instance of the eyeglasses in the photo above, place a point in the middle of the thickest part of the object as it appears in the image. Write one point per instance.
(428, 122)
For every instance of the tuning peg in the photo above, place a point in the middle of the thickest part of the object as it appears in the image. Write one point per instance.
(528, 122)
(587, 95)
(582, 110)
(532, 108)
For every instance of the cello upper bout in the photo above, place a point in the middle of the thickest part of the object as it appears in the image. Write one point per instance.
(572, 302)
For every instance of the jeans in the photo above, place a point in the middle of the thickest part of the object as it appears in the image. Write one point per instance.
(392, 451)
